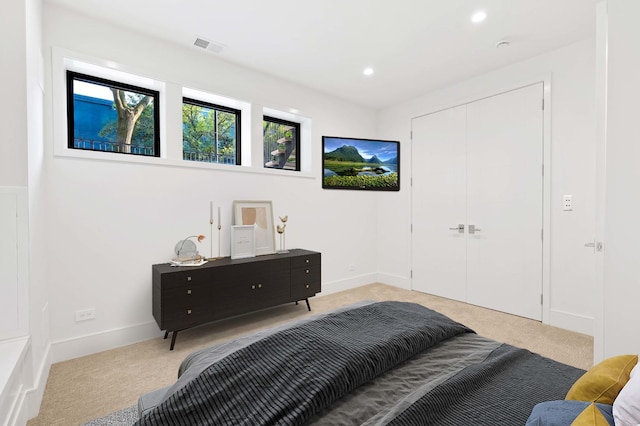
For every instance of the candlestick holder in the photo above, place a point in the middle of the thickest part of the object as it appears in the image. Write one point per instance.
(281, 229)
(211, 245)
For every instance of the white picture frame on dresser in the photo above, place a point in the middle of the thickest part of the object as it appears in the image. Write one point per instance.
(243, 241)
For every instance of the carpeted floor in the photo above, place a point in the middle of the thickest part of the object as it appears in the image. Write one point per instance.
(91, 387)
(125, 417)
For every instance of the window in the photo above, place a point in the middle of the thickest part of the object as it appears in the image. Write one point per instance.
(104, 115)
(210, 133)
(281, 143)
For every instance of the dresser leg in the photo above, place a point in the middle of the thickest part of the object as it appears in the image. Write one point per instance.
(173, 340)
(308, 306)
(166, 334)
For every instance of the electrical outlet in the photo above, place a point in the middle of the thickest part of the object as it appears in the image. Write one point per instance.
(567, 202)
(85, 314)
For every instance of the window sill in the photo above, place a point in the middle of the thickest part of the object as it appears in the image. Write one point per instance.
(169, 162)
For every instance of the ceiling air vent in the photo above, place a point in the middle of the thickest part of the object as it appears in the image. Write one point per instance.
(211, 46)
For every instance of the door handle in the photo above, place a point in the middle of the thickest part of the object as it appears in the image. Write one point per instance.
(459, 228)
(473, 229)
(597, 246)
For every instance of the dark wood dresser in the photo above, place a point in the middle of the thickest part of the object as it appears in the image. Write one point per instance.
(188, 296)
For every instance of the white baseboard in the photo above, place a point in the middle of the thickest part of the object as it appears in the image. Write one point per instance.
(64, 350)
(394, 280)
(573, 322)
(348, 284)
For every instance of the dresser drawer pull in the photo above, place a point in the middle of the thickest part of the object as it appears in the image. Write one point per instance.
(188, 278)
(188, 311)
(253, 287)
(306, 286)
(259, 285)
(189, 291)
(306, 261)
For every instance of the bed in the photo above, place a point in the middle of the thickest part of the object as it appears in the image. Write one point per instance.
(372, 363)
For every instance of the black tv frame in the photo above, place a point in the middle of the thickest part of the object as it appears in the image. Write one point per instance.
(355, 142)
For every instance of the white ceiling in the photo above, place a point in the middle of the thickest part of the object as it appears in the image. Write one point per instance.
(414, 46)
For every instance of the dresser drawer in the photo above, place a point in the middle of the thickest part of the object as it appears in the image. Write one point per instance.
(188, 295)
(179, 318)
(302, 290)
(305, 261)
(308, 274)
(182, 279)
(305, 282)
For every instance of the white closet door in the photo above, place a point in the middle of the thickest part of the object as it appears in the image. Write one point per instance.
(504, 201)
(438, 203)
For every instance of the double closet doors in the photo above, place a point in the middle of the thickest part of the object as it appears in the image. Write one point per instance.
(477, 202)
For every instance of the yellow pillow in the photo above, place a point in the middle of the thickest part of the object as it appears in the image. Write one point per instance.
(591, 416)
(603, 382)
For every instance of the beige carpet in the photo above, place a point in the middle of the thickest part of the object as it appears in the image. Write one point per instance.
(85, 388)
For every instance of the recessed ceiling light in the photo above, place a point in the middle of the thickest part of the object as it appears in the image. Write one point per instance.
(478, 17)
(368, 71)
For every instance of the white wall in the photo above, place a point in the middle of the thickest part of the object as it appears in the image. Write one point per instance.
(572, 75)
(108, 221)
(621, 292)
(13, 150)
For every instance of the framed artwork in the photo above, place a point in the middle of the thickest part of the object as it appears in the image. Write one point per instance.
(243, 242)
(260, 214)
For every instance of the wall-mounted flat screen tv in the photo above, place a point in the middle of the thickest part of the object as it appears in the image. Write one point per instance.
(369, 164)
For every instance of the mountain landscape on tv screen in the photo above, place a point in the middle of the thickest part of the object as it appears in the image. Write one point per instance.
(345, 167)
(351, 153)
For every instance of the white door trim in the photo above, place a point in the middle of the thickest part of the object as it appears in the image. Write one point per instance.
(601, 175)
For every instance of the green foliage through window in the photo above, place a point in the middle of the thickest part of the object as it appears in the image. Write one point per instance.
(105, 115)
(210, 133)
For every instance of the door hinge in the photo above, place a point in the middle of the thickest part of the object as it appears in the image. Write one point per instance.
(412, 273)
(543, 104)
(411, 134)
(542, 167)
(542, 234)
(541, 299)
(411, 226)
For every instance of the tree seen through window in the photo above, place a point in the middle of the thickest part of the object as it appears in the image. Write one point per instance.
(105, 115)
(210, 132)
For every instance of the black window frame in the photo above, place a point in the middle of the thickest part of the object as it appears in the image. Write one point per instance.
(236, 112)
(76, 76)
(297, 141)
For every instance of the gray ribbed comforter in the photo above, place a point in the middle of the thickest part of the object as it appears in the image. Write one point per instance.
(383, 363)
